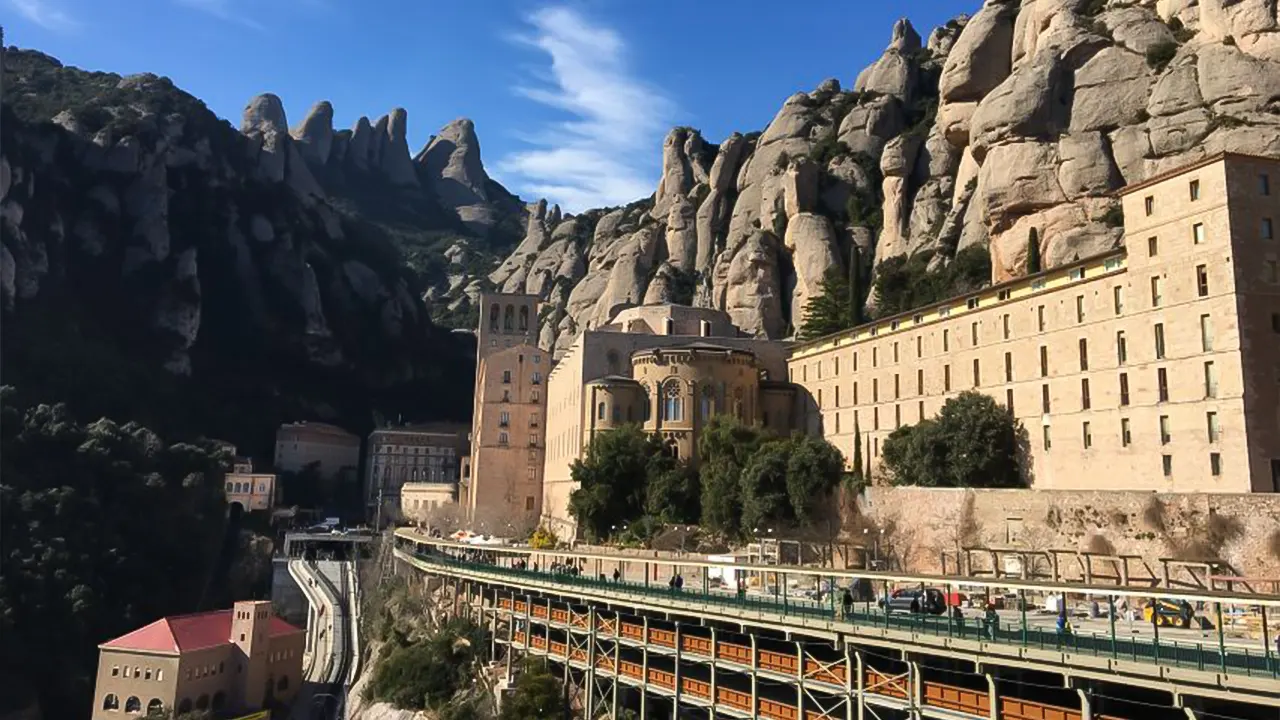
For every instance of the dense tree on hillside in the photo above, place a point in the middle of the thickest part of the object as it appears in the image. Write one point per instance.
(537, 695)
(786, 481)
(725, 446)
(814, 470)
(829, 311)
(613, 479)
(429, 673)
(972, 443)
(905, 283)
(106, 528)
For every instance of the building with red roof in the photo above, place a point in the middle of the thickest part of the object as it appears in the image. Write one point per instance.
(236, 660)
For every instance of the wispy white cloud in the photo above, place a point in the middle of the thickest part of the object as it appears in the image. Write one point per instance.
(224, 10)
(45, 14)
(605, 154)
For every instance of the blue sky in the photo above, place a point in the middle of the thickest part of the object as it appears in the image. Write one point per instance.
(570, 99)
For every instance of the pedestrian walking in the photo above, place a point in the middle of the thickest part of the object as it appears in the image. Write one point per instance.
(846, 604)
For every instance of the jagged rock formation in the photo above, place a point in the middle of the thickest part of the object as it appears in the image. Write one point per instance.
(141, 232)
(1026, 115)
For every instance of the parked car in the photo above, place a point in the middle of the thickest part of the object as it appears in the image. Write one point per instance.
(929, 600)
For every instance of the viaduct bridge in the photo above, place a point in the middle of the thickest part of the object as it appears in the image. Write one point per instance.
(701, 652)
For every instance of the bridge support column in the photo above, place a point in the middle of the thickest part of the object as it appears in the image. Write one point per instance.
(644, 669)
(1086, 706)
(755, 680)
(860, 684)
(715, 693)
(617, 666)
(675, 707)
(917, 689)
(591, 661)
(799, 680)
(511, 636)
(994, 712)
(528, 623)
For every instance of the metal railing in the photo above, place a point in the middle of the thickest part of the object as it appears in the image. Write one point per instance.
(1199, 656)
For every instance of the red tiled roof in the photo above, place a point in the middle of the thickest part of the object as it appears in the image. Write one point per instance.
(185, 633)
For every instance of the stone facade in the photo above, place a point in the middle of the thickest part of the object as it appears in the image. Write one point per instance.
(1155, 367)
(1242, 530)
(300, 444)
(252, 491)
(504, 491)
(666, 367)
(419, 500)
(236, 660)
(418, 455)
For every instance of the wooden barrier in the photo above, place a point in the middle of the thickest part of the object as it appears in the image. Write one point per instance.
(560, 616)
(1015, 709)
(662, 638)
(695, 644)
(633, 632)
(696, 688)
(734, 699)
(578, 654)
(955, 698)
(878, 683)
(632, 670)
(662, 678)
(834, 673)
(778, 662)
(774, 710)
(733, 653)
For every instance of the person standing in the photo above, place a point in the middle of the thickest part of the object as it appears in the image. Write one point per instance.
(846, 603)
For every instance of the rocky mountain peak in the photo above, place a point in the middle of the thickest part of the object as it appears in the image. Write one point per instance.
(264, 113)
(904, 39)
(314, 134)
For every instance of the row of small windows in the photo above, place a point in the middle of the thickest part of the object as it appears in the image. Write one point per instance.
(1213, 432)
(137, 672)
(1193, 191)
(504, 438)
(509, 318)
(535, 378)
(244, 487)
(535, 397)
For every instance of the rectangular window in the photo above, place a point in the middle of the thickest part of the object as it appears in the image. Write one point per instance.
(1159, 333)
(1211, 424)
(1267, 232)
(1197, 233)
(1047, 441)
(1165, 437)
(897, 416)
(1149, 204)
(837, 399)
(1044, 399)
(1264, 184)
(946, 378)
(895, 351)
(1215, 464)
(919, 411)
(1004, 321)
(1156, 295)
(1125, 436)
(917, 319)
(1044, 361)
(855, 392)
(1162, 384)
(1118, 298)
(946, 340)
(1084, 394)
(977, 373)
(855, 362)
(875, 418)
(506, 377)
(1153, 246)
(1076, 274)
(1079, 308)
(1202, 281)
(1124, 389)
(973, 334)
(875, 390)
(1008, 367)
(115, 671)
(1210, 380)
(875, 357)
(920, 381)
(1087, 436)
(919, 346)
(1040, 317)
(504, 417)
(1122, 349)
(1084, 354)
(836, 362)
(1003, 295)
(502, 438)
(1206, 334)
(897, 389)
(1166, 463)
(1195, 190)
(1008, 400)
(972, 303)
(819, 367)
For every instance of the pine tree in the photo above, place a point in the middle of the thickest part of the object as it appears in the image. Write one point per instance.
(1033, 252)
(828, 311)
(856, 478)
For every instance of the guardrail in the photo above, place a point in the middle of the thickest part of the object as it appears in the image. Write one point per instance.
(353, 579)
(1186, 655)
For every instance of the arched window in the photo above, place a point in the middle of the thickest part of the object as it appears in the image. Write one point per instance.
(282, 684)
(202, 702)
(133, 704)
(230, 487)
(219, 701)
(184, 706)
(648, 404)
(672, 403)
(155, 707)
(110, 702)
(524, 317)
(600, 411)
(508, 318)
(493, 318)
(708, 402)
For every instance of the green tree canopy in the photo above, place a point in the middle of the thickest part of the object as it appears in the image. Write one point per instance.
(905, 283)
(428, 673)
(786, 481)
(625, 474)
(538, 695)
(106, 528)
(830, 310)
(724, 448)
(972, 443)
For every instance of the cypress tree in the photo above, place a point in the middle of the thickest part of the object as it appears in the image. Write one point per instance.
(856, 478)
(1033, 252)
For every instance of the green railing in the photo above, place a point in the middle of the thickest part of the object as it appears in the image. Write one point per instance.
(1186, 655)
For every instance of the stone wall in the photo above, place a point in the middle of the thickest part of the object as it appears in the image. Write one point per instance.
(921, 523)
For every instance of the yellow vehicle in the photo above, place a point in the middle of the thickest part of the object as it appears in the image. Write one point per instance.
(1169, 613)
